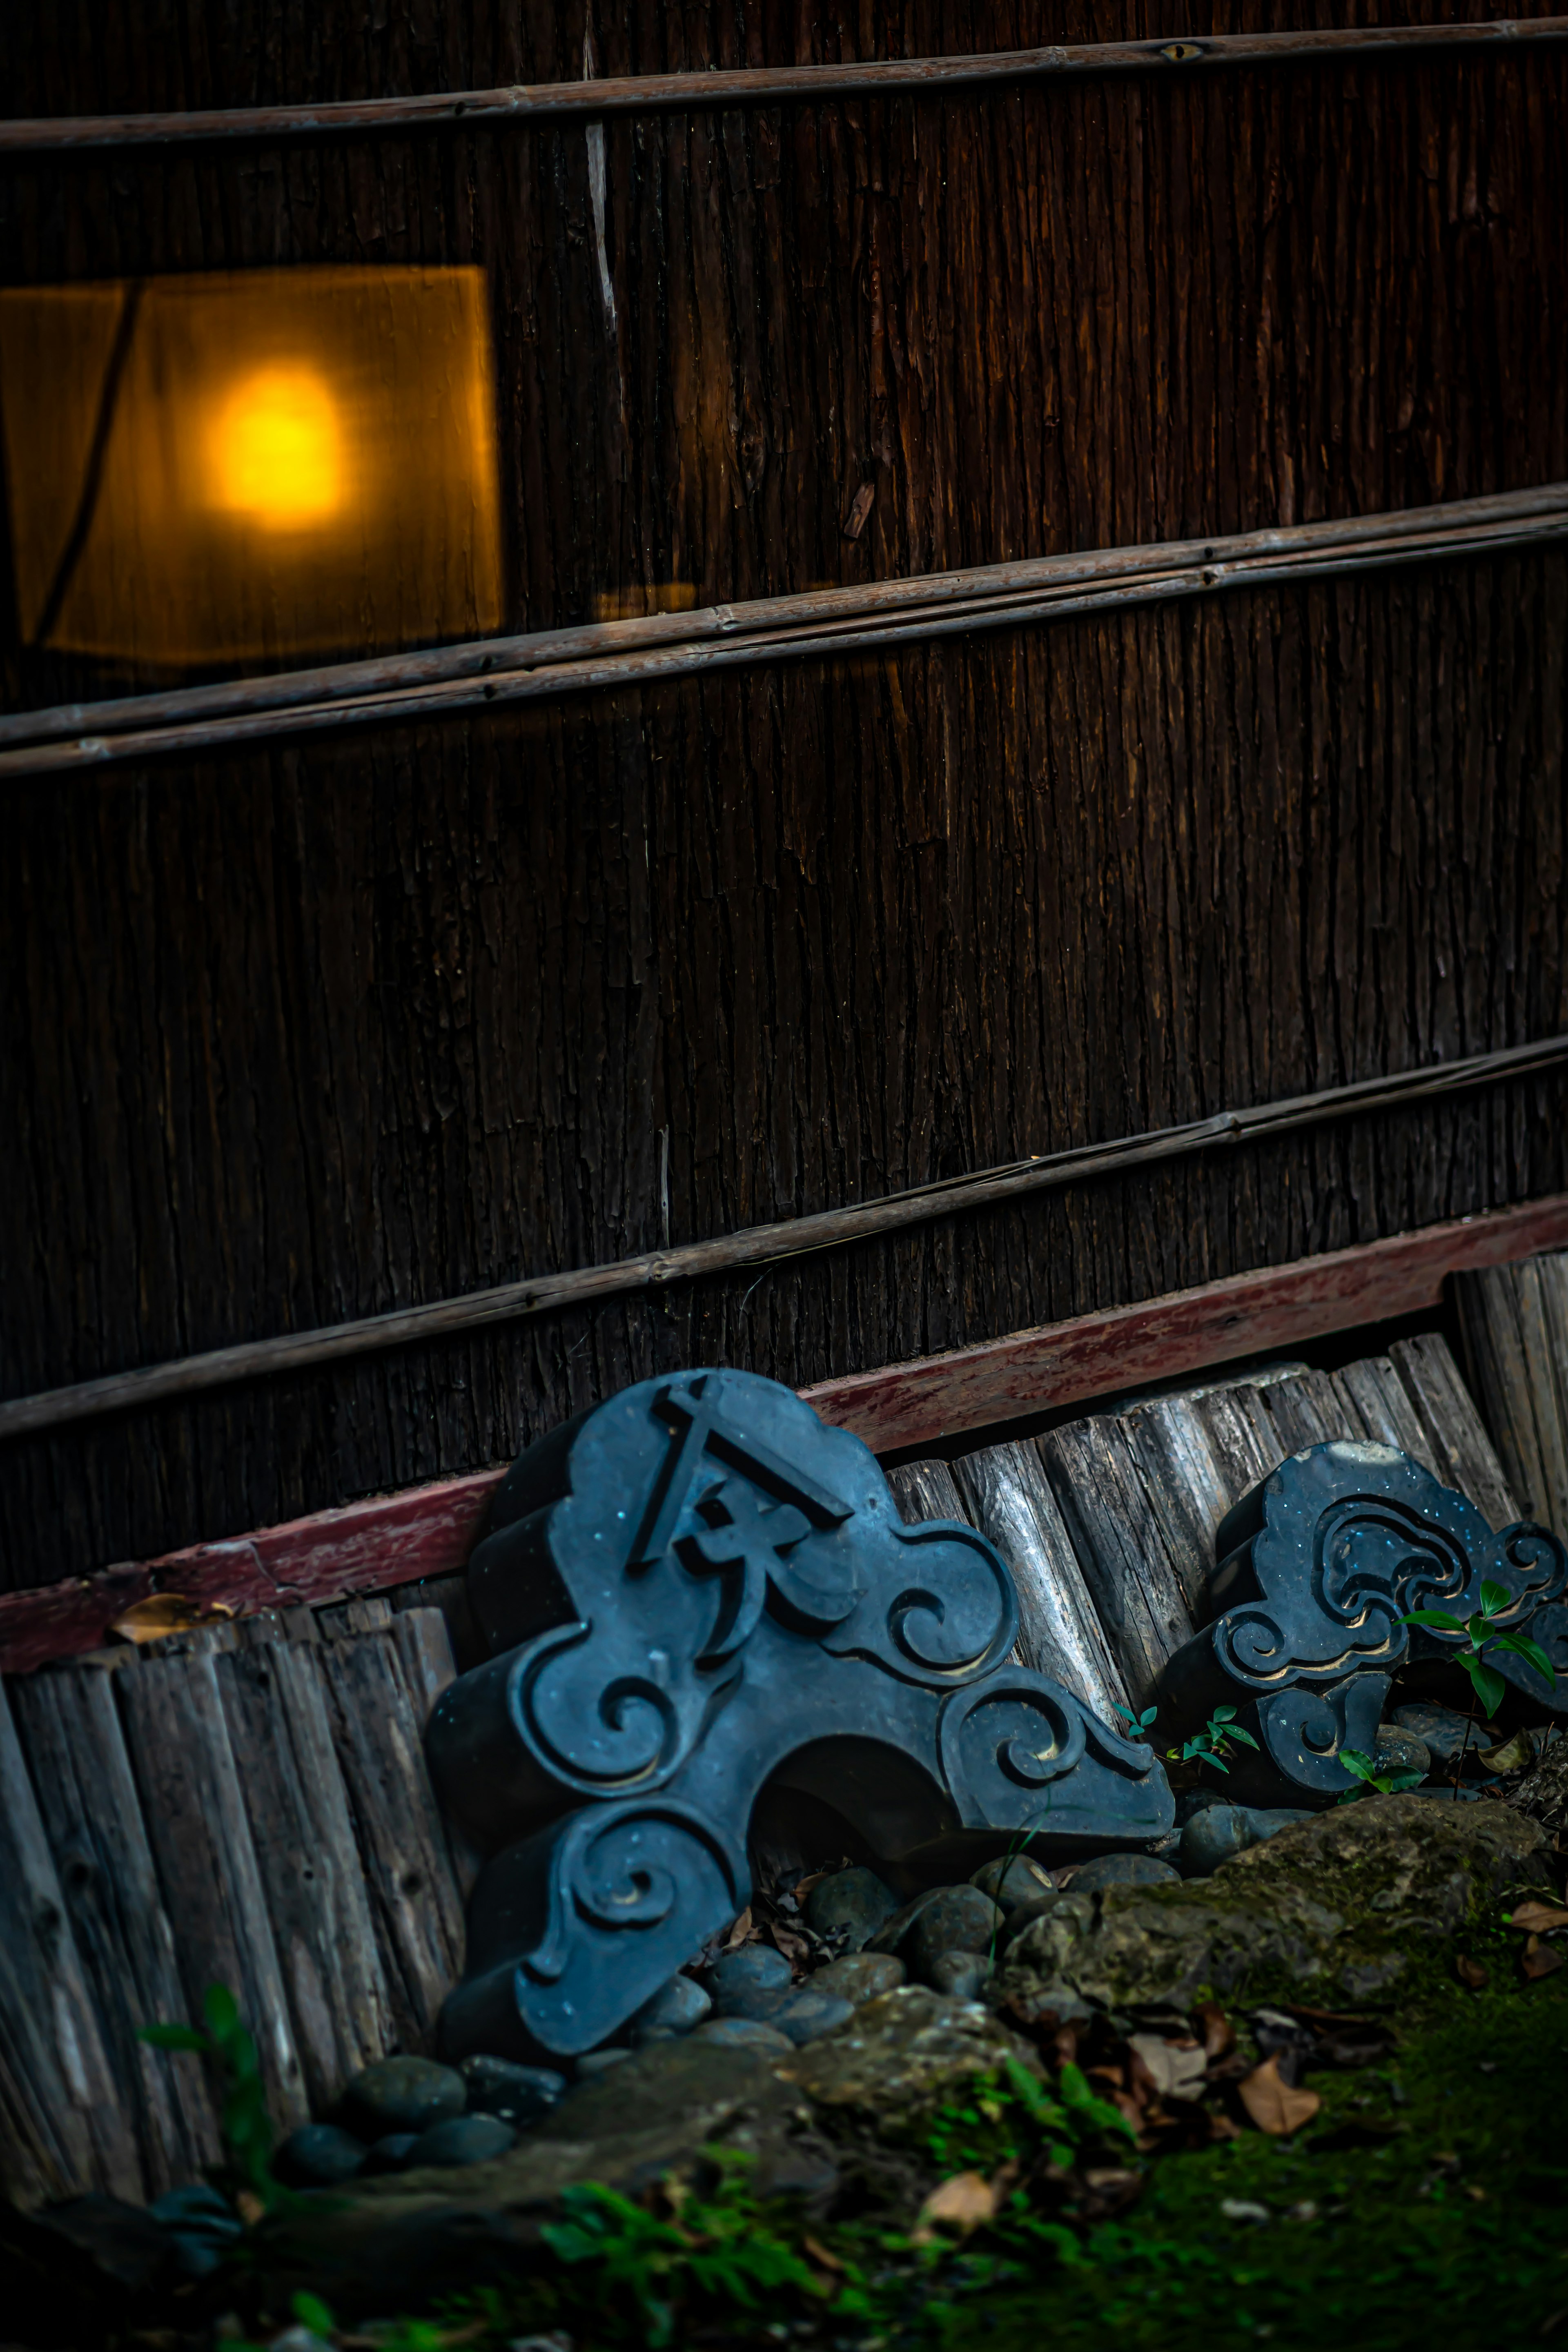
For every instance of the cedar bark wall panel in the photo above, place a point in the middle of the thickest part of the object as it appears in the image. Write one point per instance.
(322, 1030)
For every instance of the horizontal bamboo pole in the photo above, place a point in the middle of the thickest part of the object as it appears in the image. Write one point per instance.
(727, 87)
(825, 623)
(758, 1245)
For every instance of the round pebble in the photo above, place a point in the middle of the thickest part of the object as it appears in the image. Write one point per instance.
(405, 2095)
(599, 2062)
(318, 2154)
(519, 2096)
(462, 2139)
(741, 2034)
(807, 2016)
(1192, 1802)
(962, 1976)
(748, 1983)
(960, 1919)
(859, 1976)
(1223, 1831)
(391, 2153)
(1014, 1880)
(675, 2009)
(1441, 1730)
(1121, 1870)
(851, 1903)
(1398, 1750)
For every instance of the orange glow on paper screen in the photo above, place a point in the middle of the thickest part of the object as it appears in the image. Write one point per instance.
(254, 465)
(275, 451)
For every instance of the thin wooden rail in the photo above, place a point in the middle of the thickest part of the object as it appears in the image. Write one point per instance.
(387, 1541)
(760, 1244)
(826, 623)
(731, 87)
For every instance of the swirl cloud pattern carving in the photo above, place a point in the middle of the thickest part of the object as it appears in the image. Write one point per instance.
(690, 1592)
(1317, 1567)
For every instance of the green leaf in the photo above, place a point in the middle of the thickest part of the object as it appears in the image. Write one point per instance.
(1521, 1646)
(1245, 1737)
(1439, 1619)
(1222, 1715)
(1394, 1783)
(312, 2312)
(1356, 1761)
(1494, 1598)
(1215, 1762)
(1488, 1683)
(174, 2037)
(220, 2009)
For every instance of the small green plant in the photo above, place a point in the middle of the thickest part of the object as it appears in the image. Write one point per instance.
(1137, 1724)
(1209, 1745)
(1482, 1634)
(246, 2125)
(1390, 1782)
(1008, 2110)
(716, 2251)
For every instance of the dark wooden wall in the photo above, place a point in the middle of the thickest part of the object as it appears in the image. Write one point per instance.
(327, 1028)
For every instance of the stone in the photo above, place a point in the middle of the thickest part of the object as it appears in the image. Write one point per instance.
(318, 2154)
(1399, 1749)
(852, 1904)
(890, 1935)
(402, 2095)
(1015, 1881)
(518, 2094)
(693, 2076)
(1196, 1800)
(391, 2153)
(462, 2139)
(1356, 1887)
(674, 2010)
(959, 1976)
(1441, 1730)
(901, 2056)
(76, 2274)
(1221, 1832)
(859, 1976)
(743, 1980)
(1121, 1870)
(599, 2062)
(202, 2223)
(743, 2034)
(808, 2014)
(960, 1919)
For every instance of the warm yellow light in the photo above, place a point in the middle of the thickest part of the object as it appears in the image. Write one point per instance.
(276, 451)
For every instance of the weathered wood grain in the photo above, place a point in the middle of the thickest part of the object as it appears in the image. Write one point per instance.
(415, 1902)
(1006, 1496)
(63, 2129)
(177, 1734)
(926, 1490)
(69, 1728)
(833, 931)
(1464, 1454)
(1119, 1544)
(309, 1862)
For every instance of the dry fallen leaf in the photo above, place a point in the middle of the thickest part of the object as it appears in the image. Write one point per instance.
(739, 1931)
(1175, 2069)
(1539, 1960)
(961, 2203)
(1276, 2106)
(167, 1612)
(1219, 2034)
(820, 2255)
(1537, 1919)
(1470, 1972)
(1511, 1756)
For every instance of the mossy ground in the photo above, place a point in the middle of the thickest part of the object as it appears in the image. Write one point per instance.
(1452, 2233)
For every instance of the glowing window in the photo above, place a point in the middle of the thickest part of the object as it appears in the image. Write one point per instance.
(206, 468)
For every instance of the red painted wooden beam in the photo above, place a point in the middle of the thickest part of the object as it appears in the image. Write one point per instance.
(391, 1540)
